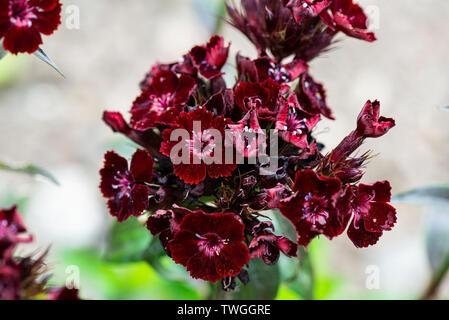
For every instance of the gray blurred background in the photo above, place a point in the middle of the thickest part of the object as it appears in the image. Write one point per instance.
(56, 123)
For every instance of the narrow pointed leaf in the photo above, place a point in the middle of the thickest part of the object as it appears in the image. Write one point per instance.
(436, 198)
(43, 56)
(30, 169)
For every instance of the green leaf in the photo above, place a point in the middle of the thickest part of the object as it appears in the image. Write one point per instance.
(118, 281)
(43, 56)
(264, 282)
(127, 242)
(30, 169)
(427, 196)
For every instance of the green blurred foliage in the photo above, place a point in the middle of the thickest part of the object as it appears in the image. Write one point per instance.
(11, 67)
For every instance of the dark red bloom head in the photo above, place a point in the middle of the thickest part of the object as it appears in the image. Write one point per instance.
(272, 27)
(313, 208)
(248, 137)
(261, 96)
(210, 58)
(22, 278)
(370, 124)
(11, 232)
(294, 124)
(125, 186)
(265, 68)
(372, 214)
(312, 97)
(198, 144)
(165, 223)
(163, 100)
(349, 18)
(268, 246)
(307, 8)
(275, 195)
(210, 245)
(23, 21)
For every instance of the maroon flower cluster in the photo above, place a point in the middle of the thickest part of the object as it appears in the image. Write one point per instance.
(22, 22)
(23, 278)
(204, 202)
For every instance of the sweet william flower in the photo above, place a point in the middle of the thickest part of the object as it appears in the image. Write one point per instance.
(261, 96)
(163, 100)
(124, 186)
(248, 137)
(294, 124)
(11, 232)
(209, 59)
(370, 124)
(166, 223)
(268, 246)
(210, 246)
(271, 26)
(23, 21)
(307, 8)
(263, 68)
(204, 146)
(312, 96)
(372, 214)
(314, 209)
(348, 17)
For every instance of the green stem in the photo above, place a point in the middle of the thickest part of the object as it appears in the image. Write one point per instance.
(306, 266)
(436, 280)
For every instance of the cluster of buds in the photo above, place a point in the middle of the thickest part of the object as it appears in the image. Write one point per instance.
(214, 156)
(24, 278)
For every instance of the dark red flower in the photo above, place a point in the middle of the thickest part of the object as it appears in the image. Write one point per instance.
(349, 18)
(23, 21)
(261, 96)
(125, 187)
(372, 214)
(294, 124)
(11, 232)
(162, 102)
(271, 26)
(221, 103)
(199, 147)
(248, 137)
(264, 68)
(275, 195)
(63, 293)
(370, 124)
(210, 245)
(165, 223)
(307, 8)
(23, 278)
(210, 58)
(147, 82)
(312, 97)
(268, 246)
(314, 209)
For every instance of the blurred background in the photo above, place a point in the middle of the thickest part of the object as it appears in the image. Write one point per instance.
(55, 123)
